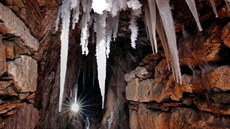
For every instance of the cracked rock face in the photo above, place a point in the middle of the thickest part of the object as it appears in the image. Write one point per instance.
(11, 24)
(25, 73)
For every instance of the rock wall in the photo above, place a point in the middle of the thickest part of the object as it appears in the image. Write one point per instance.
(201, 101)
(25, 32)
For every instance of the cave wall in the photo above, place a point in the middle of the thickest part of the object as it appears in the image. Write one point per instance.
(140, 94)
(156, 101)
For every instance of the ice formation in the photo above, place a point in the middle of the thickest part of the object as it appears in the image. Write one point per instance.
(65, 16)
(213, 4)
(99, 28)
(167, 20)
(158, 18)
(192, 6)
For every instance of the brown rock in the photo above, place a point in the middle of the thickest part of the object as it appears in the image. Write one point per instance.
(185, 118)
(225, 35)
(132, 90)
(16, 122)
(11, 24)
(3, 67)
(219, 78)
(153, 120)
(213, 108)
(24, 71)
(22, 96)
(9, 49)
(141, 72)
(145, 90)
(5, 84)
(223, 13)
(18, 3)
(186, 83)
(134, 124)
(220, 98)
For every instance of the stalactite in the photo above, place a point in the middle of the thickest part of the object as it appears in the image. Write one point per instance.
(136, 11)
(167, 20)
(65, 15)
(85, 26)
(192, 6)
(99, 27)
(75, 6)
(213, 4)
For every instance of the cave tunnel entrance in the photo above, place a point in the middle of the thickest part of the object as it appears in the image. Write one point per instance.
(88, 88)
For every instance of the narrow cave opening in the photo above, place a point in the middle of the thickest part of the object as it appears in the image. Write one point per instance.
(88, 88)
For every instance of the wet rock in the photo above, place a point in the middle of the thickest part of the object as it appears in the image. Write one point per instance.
(11, 24)
(26, 117)
(219, 78)
(225, 36)
(24, 72)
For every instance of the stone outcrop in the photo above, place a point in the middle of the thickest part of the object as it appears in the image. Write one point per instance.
(11, 24)
(25, 73)
(26, 117)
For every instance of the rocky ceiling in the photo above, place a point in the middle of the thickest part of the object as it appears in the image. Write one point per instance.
(140, 90)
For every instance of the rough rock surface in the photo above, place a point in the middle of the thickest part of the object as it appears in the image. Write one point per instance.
(25, 73)
(27, 117)
(11, 24)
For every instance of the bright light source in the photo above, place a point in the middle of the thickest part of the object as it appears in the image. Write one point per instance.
(75, 107)
(99, 6)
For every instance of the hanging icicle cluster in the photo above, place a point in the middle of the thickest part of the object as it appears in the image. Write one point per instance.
(158, 18)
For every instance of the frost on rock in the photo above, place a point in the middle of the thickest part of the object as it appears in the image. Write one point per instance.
(85, 25)
(192, 6)
(167, 20)
(65, 15)
(99, 28)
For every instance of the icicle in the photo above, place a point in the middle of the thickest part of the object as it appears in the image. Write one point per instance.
(214, 7)
(152, 7)
(115, 26)
(75, 5)
(99, 6)
(134, 31)
(87, 125)
(65, 15)
(57, 20)
(148, 24)
(192, 6)
(136, 11)
(110, 120)
(167, 20)
(99, 27)
(108, 34)
(85, 26)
